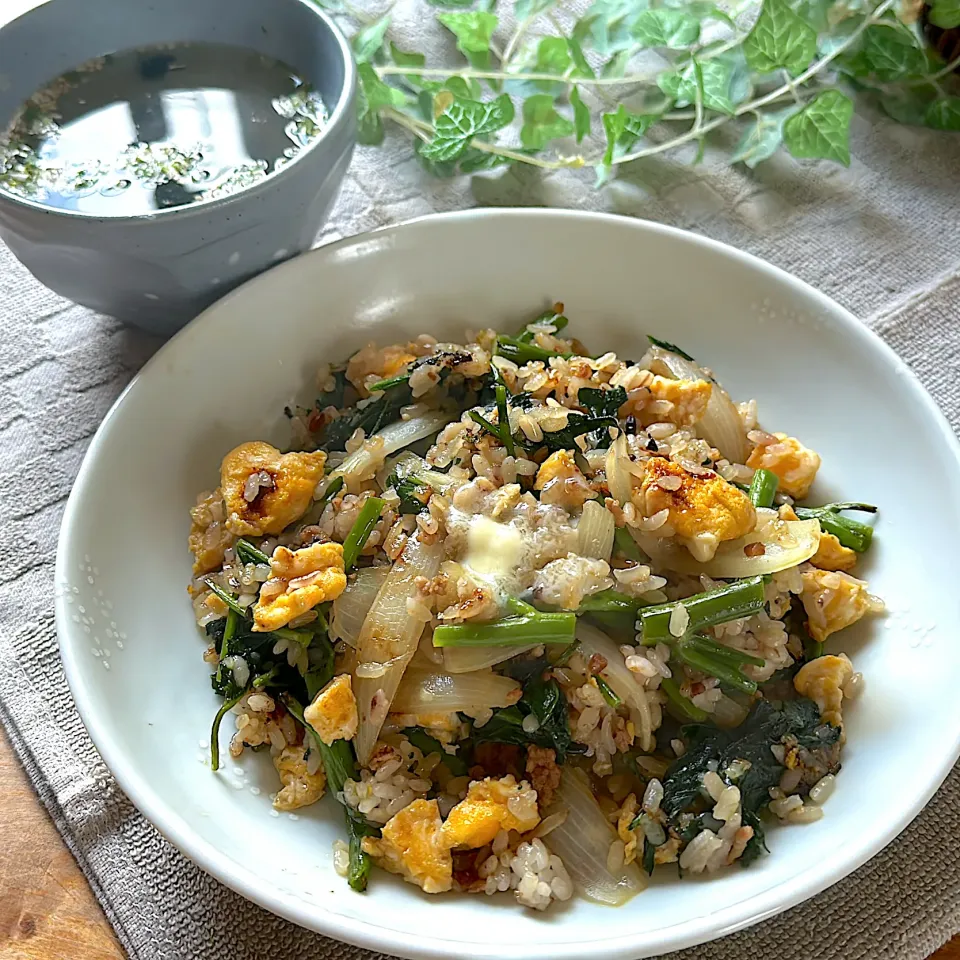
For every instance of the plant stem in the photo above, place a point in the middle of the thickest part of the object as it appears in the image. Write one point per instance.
(510, 632)
(763, 488)
(215, 731)
(360, 532)
(684, 705)
(729, 602)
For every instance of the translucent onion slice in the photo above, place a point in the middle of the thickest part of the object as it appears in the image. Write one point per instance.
(364, 462)
(623, 683)
(350, 609)
(785, 544)
(619, 478)
(388, 640)
(583, 841)
(721, 425)
(435, 691)
(595, 531)
(466, 659)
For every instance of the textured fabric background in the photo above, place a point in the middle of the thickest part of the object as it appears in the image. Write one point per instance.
(882, 237)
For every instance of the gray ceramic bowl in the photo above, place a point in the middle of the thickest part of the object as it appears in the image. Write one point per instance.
(158, 271)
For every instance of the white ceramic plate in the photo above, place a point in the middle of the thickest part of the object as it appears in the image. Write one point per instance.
(817, 373)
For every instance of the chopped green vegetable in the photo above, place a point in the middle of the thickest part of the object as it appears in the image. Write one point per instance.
(340, 765)
(427, 745)
(370, 418)
(413, 493)
(520, 352)
(227, 598)
(390, 382)
(742, 756)
(683, 705)
(672, 347)
(607, 692)
(763, 488)
(544, 700)
(557, 320)
(566, 653)
(577, 424)
(627, 545)
(509, 632)
(504, 419)
(610, 601)
(215, 730)
(333, 488)
(602, 402)
(696, 657)
(851, 533)
(248, 553)
(742, 598)
(360, 532)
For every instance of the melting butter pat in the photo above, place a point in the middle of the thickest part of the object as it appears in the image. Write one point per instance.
(493, 549)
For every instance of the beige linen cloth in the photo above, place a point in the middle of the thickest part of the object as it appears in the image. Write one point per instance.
(882, 237)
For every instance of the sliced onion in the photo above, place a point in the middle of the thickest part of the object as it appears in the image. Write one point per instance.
(623, 683)
(619, 478)
(350, 609)
(389, 638)
(435, 691)
(786, 543)
(721, 425)
(595, 531)
(583, 841)
(466, 659)
(364, 462)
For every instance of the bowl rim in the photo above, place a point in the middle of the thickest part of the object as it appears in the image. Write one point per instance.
(345, 103)
(367, 932)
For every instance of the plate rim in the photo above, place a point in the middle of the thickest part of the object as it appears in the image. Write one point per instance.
(365, 932)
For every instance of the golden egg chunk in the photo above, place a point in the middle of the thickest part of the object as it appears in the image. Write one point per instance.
(561, 482)
(300, 788)
(682, 402)
(700, 506)
(490, 806)
(209, 537)
(834, 600)
(832, 555)
(266, 490)
(412, 845)
(333, 713)
(822, 681)
(794, 464)
(300, 579)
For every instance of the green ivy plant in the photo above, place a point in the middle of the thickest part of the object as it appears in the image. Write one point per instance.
(629, 79)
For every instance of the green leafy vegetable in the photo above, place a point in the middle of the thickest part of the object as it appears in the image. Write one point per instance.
(412, 492)
(851, 533)
(427, 745)
(672, 347)
(248, 553)
(763, 488)
(945, 14)
(360, 532)
(518, 631)
(743, 757)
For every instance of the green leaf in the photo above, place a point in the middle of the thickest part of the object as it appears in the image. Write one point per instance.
(891, 52)
(404, 59)
(542, 123)
(581, 115)
(373, 95)
(473, 31)
(476, 161)
(580, 66)
(623, 129)
(525, 9)
(943, 114)
(821, 130)
(553, 55)
(467, 88)
(442, 170)
(450, 3)
(780, 40)
(723, 84)
(461, 122)
(945, 14)
(762, 139)
(666, 28)
(607, 24)
(616, 66)
(367, 42)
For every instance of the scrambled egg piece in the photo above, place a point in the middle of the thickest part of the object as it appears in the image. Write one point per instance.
(300, 788)
(703, 508)
(490, 806)
(631, 838)
(689, 399)
(833, 601)
(333, 713)
(412, 845)
(822, 681)
(562, 482)
(375, 364)
(265, 490)
(209, 538)
(300, 580)
(795, 464)
(833, 555)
